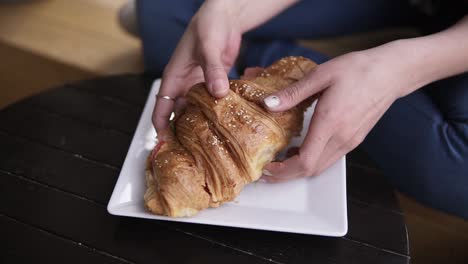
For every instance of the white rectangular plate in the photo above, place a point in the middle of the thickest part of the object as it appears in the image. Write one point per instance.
(310, 206)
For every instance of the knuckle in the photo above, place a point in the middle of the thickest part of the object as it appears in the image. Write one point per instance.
(342, 138)
(321, 74)
(354, 142)
(197, 25)
(280, 166)
(313, 173)
(354, 56)
(318, 70)
(211, 68)
(293, 93)
(205, 46)
(324, 113)
(305, 166)
(166, 73)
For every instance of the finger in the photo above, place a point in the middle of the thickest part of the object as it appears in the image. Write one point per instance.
(163, 109)
(297, 92)
(215, 73)
(174, 87)
(277, 172)
(304, 163)
(174, 81)
(161, 114)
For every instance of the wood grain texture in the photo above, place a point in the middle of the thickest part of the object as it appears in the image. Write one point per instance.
(143, 240)
(436, 237)
(42, 246)
(63, 133)
(368, 222)
(83, 33)
(24, 74)
(89, 223)
(104, 112)
(60, 174)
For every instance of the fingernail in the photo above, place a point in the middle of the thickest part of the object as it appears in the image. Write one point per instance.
(267, 173)
(272, 101)
(218, 88)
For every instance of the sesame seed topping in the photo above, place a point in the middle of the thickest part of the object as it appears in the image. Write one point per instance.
(214, 140)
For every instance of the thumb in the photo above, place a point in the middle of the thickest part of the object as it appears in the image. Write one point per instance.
(215, 74)
(295, 93)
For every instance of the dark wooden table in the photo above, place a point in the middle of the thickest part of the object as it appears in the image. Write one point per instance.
(60, 156)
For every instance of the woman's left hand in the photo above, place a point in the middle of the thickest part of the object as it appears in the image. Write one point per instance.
(357, 89)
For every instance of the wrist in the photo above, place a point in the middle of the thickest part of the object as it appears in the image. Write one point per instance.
(408, 64)
(423, 60)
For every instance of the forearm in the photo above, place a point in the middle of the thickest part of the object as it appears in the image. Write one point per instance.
(434, 57)
(251, 14)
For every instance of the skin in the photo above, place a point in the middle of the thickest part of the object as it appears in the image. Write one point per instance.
(374, 78)
(209, 48)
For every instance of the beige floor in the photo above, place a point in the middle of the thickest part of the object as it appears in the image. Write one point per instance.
(55, 41)
(44, 43)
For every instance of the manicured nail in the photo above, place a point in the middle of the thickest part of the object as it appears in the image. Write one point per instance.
(218, 88)
(267, 173)
(272, 101)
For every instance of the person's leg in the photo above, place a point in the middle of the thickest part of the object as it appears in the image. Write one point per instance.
(421, 143)
(162, 23)
(310, 19)
(261, 53)
(317, 19)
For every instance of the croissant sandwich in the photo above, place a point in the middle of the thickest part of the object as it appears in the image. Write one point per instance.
(217, 146)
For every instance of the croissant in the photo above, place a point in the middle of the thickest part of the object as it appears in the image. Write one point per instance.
(217, 146)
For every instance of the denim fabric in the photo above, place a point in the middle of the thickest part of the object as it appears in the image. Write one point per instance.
(421, 142)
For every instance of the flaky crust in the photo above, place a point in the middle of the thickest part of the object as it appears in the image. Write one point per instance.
(220, 145)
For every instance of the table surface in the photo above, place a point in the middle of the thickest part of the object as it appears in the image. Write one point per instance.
(61, 154)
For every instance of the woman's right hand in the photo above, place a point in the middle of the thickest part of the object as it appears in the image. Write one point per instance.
(206, 52)
(209, 48)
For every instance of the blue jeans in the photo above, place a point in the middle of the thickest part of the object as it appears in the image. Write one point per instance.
(421, 142)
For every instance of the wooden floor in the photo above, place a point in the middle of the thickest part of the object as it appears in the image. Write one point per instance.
(44, 43)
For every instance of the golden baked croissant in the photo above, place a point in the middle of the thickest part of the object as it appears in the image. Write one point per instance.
(220, 145)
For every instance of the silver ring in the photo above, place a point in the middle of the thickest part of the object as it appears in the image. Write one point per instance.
(166, 97)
